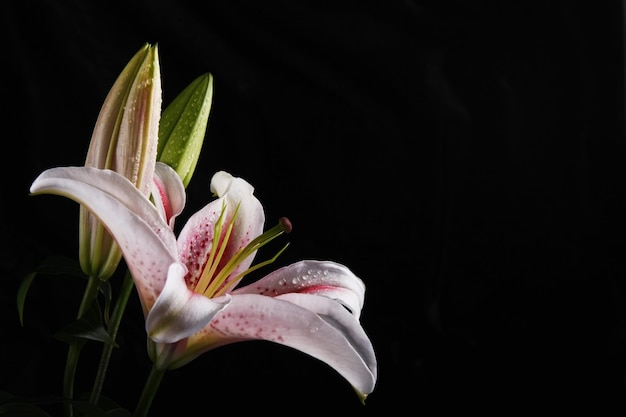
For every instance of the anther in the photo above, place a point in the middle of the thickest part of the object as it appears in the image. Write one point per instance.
(285, 224)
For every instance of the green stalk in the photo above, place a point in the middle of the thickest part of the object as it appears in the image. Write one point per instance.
(149, 391)
(68, 377)
(71, 363)
(114, 325)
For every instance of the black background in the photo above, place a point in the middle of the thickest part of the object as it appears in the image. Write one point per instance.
(466, 159)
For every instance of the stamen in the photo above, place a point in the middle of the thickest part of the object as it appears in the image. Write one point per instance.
(224, 242)
(239, 276)
(217, 250)
(215, 287)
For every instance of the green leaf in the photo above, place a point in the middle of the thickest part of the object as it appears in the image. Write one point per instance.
(89, 327)
(91, 410)
(21, 295)
(12, 406)
(20, 409)
(56, 265)
(52, 265)
(107, 292)
(105, 407)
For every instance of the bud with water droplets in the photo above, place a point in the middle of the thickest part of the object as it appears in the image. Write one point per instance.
(183, 127)
(124, 140)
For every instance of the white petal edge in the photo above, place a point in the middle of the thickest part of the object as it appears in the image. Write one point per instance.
(179, 312)
(168, 193)
(317, 326)
(324, 278)
(148, 244)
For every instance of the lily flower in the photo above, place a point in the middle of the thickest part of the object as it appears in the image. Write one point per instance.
(188, 284)
(124, 140)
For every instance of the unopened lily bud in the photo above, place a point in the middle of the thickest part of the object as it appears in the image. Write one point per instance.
(183, 127)
(124, 140)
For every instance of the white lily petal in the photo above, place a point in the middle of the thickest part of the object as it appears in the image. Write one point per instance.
(148, 244)
(221, 183)
(237, 192)
(335, 315)
(317, 326)
(179, 312)
(168, 193)
(325, 278)
(195, 239)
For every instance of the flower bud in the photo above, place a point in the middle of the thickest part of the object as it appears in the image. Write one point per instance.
(183, 127)
(124, 140)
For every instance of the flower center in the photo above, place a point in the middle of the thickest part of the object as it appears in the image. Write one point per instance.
(215, 282)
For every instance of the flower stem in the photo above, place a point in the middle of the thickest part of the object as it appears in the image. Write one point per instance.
(114, 325)
(149, 391)
(68, 377)
(93, 284)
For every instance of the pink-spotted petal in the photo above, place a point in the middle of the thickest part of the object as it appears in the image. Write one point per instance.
(317, 326)
(148, 244)
(179, 312)
(238, 195)
(196, 238)
(362, 355)
(325, 278)
(168, 193)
